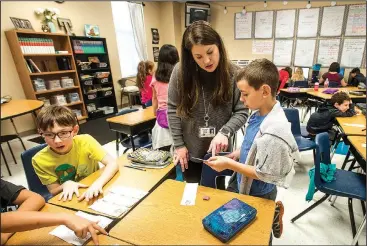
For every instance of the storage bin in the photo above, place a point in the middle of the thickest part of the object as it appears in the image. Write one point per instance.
(53, 84)
(58, 100)
(102, 80)
(96, 113)
(45, 100)
(91, 95)
(72, 97)
(77, 112)
(39, 85)
(102, 75)
(91, 107)
(105, 92)
(107, 109)
(95, 65)
(67, 82)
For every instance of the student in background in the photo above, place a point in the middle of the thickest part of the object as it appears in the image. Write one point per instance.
(69, 157)
(27, 217)
(284, 75)
(324, 118)
(298, 75)
(356, 78)
(268, 152)
(335, 79)
(167, 59)
(143, 80)
(202, 95)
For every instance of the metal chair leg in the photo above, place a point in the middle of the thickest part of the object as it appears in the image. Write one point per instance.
(356, 237)
(117, 144)
(333, 200)
(310, 208)
(346, 160)
(11, 151)
(351, 215)
(6, 163)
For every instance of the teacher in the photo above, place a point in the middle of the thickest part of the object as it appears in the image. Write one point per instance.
(204, 108)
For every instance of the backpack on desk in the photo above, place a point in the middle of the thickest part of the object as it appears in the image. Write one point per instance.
(149, 158)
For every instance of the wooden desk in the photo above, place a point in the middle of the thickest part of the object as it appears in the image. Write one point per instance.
(106, 240)
(132, 123)
(40, 236)
(324, 96)
(357, 142)
(146, 181)
(16, 108)
(352, 130)
(161, 220)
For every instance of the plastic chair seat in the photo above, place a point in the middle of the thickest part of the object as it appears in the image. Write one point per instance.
(131, 88)
(304, 144)
(347, 184)
(305, 133)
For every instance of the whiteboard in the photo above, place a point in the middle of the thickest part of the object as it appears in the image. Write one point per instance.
(328, 51)
(284, 27)
(352, 52)
(262, 47)
(305, 50)
(283, 52)
(242, 25)
(308, 22)
(356, 22)
(264, 24)
(332, 21)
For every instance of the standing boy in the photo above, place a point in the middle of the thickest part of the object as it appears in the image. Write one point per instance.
(69, 157)
(267, 155)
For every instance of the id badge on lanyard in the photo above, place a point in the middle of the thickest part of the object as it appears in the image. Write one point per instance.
(207, 131)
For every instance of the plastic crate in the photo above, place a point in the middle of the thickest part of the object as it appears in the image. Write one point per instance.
(92, 95)
(107, 109)
(105, 93)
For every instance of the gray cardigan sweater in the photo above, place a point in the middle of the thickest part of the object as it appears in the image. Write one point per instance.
(232, 115)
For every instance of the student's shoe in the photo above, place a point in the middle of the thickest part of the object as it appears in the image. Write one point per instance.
(278, 219)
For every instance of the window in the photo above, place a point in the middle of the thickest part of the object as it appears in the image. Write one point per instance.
(127, 52)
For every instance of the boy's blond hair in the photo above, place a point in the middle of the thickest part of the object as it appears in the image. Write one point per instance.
(60, 115)
(260, 72)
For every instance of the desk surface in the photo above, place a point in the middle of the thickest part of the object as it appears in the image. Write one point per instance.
(40, 236)
(126, 176)
(301, 90)
(134, 118)
(357, 142)
(160, 219)
(352, 130)
(106, 240)
(19, 107)
(328, 96)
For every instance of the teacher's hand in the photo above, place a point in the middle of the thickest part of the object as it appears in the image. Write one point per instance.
(181, 155)
(218, 144)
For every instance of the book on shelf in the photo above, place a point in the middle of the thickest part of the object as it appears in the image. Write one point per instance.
(33, 65)
(36, 45)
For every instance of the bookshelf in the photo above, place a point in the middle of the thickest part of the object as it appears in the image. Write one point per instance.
(35, 58)
(85, 50)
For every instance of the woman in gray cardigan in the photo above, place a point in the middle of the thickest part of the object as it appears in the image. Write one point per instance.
(204, 110)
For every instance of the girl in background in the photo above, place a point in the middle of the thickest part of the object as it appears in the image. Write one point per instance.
(284, 75)
(167, 59)
(143, 80)
(298, 75)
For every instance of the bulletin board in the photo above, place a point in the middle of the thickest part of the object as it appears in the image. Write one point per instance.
(305, 51)
(284, 27)
(308, 22)
(282, 55)
(328, 51)
(352, 54)
(332, 21)
(356, 21)
(243, 25)
(264, 24)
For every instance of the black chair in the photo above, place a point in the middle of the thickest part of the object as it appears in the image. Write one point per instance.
(7, 139)
(347, 184)
(129, 91)
(301, 84)
(34, 183)
(142, 139)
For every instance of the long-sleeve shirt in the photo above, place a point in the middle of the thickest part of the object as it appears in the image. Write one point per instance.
(231, 115)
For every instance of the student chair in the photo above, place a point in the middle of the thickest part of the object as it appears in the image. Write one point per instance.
(142, 139)
(301, 84)
(7, 139)
(347, 184)
(209, 176)
(302, 143)
(129, 91)
(33, 181)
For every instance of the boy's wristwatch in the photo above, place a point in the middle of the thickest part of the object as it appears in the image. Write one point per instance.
(225, 132)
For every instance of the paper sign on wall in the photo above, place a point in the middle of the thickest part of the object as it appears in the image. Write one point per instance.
(262, 47)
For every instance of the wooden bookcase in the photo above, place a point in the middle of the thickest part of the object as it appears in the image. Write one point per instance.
(61, 42)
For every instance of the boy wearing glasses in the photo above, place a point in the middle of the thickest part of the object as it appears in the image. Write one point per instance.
(69, 157)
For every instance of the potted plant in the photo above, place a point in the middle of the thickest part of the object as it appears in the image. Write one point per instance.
(49, 15)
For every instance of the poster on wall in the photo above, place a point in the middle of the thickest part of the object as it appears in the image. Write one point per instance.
(155, 53)
(155, 36)
(262, 47)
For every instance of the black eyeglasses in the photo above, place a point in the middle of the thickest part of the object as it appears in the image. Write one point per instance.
(62, 135)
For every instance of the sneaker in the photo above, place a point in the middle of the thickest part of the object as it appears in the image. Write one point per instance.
(278, 219)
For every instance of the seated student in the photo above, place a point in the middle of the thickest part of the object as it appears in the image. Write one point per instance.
(69, 157)
(323, 119)
(167, 59)
(143, 80)
(266, 157)
(27, 217)
(298, 75)
(284, 75)
(356, 78)
(335, 79)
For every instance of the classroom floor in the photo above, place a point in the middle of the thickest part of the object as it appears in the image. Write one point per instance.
(325, 225)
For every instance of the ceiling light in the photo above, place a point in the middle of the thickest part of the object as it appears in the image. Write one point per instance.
(285, 2)
(333, 3)
(244, 10)
(225, 10)
(308, 4)
(265, 4)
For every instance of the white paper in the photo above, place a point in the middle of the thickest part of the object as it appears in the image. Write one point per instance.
(356, 23)
(352, 52)
(332, 21)
(189, 194)
(364, 145)
(305, 50)
(283, 52)
(243, 25)
(108, 208)
(284, 27)
(264, 24)
(328, 51)
(262, 47)
(308, 21)
(69, 236)
(354, 125)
